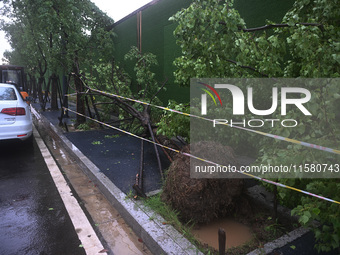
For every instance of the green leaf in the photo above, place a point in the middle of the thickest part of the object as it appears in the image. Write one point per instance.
(307, 214)
(304, 219)
(336, 240)
(316, 211)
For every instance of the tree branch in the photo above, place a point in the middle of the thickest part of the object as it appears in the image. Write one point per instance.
(247, 67)
(270, 26)
(129, 109)
(153, 97)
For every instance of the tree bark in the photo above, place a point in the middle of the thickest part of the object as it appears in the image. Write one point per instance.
(54, 93)
(80, 104)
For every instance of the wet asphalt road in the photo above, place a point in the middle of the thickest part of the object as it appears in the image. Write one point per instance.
(33, 219)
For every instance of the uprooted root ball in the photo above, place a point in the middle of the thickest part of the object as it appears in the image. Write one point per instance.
(202, 200)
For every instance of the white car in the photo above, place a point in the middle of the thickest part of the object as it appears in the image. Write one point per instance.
(15, 115)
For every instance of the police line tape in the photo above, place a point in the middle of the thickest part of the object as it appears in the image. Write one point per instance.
(204, 160)
(276, 137)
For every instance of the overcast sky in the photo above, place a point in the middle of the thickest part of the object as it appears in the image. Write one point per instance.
(116, 9)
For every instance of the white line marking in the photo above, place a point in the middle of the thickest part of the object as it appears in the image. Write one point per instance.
(86, 233)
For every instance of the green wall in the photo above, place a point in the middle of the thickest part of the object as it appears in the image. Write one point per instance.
(157, 35)
(256, 12)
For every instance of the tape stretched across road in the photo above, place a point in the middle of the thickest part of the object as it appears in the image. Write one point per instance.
(277, 137)
(210, 162)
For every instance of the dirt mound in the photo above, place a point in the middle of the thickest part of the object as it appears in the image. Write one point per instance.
(202, 200)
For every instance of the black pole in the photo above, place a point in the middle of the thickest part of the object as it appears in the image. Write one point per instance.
(221, 241)
(275, 203)
(138, 186)
(156, 150)
(141, 165)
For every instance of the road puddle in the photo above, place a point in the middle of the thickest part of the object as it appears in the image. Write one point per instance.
(237, 233)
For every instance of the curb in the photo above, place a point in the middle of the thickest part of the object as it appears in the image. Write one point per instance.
(159, 238)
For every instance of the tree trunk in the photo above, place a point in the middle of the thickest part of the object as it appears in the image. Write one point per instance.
(54, 93)
(80, 100)
(33, 83)
(40, 83)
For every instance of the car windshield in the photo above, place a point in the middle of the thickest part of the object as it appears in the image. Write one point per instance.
(7, 94)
